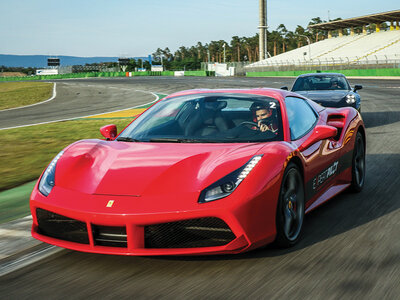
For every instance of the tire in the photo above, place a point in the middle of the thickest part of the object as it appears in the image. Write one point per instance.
(290, 210)
(358, 165)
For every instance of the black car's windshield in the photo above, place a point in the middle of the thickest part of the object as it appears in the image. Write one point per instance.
(320, 82)
(208, 118)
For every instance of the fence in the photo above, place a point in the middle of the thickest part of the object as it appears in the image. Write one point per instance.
(107, 74)
(373, 63)
(325, 64)
(64, 76)
(347, 72)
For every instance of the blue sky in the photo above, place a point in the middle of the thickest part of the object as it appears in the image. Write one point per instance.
(138, 27)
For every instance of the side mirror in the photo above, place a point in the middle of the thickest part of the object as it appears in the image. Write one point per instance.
(284, 88)
(357, 87)
(109, 132)
(320, 132)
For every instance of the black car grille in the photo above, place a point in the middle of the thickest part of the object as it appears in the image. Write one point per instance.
(110, 236)
(60, 227)
(203, 232)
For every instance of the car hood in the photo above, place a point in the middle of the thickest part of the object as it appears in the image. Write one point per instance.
(139, 169)
(324, 96)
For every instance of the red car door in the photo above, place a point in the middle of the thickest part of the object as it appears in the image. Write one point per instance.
(321, 158)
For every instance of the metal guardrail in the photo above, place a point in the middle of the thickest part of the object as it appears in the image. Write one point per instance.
(333, 63)
(322, 64)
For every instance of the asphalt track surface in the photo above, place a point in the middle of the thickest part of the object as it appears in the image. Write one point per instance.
(77, 99)
(350, 248)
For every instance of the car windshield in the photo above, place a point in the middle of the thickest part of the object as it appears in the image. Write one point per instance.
(208, 118)
(320, 82)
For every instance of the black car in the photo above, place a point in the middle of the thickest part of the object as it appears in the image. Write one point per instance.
(328, 89)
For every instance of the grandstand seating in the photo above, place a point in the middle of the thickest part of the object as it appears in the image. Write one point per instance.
(360, 48)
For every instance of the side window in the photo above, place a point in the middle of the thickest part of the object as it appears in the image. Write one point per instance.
(301, 117)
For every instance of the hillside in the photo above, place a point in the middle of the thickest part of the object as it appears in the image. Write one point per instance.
(40, 61)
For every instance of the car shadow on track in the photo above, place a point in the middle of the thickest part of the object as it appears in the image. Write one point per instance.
(327, 230)
(375, 119)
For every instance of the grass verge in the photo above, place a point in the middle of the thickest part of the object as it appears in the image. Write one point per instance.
(27, 151)
(16, 94)
(14, 203)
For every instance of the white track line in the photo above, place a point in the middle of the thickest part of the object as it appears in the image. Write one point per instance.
(74, 118)
(52, 97)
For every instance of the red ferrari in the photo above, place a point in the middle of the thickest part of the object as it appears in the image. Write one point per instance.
(201, 172)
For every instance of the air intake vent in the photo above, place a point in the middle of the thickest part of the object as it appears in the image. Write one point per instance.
(60, 227)
(204, 232)
(109, 236)
(337, 121)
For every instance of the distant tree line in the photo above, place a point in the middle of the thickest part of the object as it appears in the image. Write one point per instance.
(238, 49)
(27, 71)
(245, 49)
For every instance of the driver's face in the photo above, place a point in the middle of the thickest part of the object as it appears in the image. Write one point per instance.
(262, 114)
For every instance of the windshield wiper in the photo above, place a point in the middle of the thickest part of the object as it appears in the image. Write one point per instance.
(176, 140)
(165, 140)
(126, 139)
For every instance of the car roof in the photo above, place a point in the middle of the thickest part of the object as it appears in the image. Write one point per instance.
(320, 74)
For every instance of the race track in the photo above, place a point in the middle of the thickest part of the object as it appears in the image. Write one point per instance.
(350, 248)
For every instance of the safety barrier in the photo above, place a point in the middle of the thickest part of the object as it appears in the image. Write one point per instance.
(355, 72)
(351, 72)
(200, 73)
(64, 76)
(106, 74)
(151, 73)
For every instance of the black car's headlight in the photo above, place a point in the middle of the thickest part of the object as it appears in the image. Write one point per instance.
(226, 185)
(47, 183)
(350, 98)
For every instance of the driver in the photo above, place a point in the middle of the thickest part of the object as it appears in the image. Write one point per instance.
(334, 84)
(263, 116)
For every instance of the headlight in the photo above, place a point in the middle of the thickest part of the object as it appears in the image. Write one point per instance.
(225, 186)
(47, 183)
(350, 98)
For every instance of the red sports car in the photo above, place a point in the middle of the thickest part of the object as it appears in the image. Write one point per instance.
(201, 172)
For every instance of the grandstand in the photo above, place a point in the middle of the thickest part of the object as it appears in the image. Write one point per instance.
(367, 49)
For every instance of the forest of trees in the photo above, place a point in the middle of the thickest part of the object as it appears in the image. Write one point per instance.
(240, 49)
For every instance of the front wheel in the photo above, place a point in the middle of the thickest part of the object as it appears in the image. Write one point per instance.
(358, 165)
(290, 210)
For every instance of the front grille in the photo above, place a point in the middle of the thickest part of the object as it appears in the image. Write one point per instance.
(203, 232)
(110, 236)
(60, 227)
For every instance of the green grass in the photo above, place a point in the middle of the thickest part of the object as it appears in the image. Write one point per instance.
(15, 94)
(15, 203)
(27, 151)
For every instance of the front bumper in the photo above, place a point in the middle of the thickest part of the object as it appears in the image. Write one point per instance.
(212, 228)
